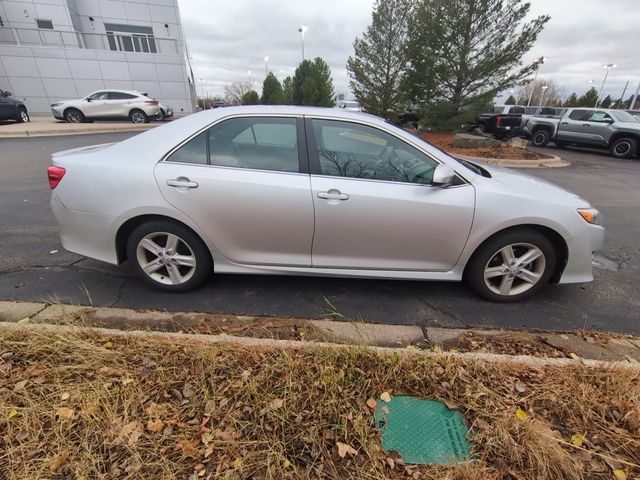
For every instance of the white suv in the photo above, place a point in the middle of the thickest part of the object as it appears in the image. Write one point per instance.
(107, 104)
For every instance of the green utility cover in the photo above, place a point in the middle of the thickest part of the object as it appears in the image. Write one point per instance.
(422, 431)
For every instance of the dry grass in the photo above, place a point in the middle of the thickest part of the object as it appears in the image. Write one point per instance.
(85, 406)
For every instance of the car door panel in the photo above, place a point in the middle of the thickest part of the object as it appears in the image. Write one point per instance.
(374, 205)
(389, 226)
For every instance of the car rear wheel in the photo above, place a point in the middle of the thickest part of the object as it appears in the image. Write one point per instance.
(138, 116)
(161, 115)
(624, 148)
(540, 138)
(23, 116)
(169, 256)
(73, 115)
(511, 266)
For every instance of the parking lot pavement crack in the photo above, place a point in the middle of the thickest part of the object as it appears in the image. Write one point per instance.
(120, 292)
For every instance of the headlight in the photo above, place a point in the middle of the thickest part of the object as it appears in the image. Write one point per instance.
(591, 215)
(55, 105)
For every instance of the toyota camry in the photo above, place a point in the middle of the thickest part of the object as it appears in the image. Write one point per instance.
(312, 191)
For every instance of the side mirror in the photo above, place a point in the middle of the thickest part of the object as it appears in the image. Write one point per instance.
(608, 120)
(443, 176)
(88, 99)
(7, 93)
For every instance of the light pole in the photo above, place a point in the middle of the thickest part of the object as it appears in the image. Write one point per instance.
(266, 65)
(250, 79)
(544, 89)
(201, 80)
(606, 67)
(303, 29)
(539, 61)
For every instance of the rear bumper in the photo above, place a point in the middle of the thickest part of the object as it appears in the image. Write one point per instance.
(579, 267)
(85, 233)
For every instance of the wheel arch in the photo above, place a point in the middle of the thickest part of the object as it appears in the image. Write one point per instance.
(537, 128)
(558, 242)
(618, 135)
(125, 230)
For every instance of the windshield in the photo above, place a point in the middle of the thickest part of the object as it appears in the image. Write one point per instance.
(622, 116)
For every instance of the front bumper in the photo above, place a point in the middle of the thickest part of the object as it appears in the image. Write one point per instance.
(57, 112)
(579, 267)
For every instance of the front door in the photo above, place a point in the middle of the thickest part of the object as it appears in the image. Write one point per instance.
(96, 105)
(7, 107)
(244, 182)
(375, 207)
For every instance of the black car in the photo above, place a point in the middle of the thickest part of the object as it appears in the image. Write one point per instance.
(11, 108)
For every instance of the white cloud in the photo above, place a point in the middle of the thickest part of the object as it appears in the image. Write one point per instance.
(229, 38)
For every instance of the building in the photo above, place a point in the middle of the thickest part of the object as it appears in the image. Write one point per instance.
(53, 50)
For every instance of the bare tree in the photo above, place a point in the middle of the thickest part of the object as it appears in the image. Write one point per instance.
(234, 93)
(552, 94)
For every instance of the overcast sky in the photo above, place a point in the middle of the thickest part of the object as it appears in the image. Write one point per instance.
(228, 38)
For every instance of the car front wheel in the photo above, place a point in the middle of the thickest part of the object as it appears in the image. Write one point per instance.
(540, 138)
(138, 116)
(169, 256)
(73, 115)
(23, 116)
(511, 266)
(624, 148)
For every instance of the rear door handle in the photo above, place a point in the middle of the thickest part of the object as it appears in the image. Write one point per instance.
(586, 125)
(182, 182)
(333, 195)
(565, 123)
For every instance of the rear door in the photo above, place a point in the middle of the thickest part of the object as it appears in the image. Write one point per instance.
(375, 207)
(575, 128)
(245, 183)
(120, 104)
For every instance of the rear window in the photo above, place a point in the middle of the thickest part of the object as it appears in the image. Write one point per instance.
(516, 110)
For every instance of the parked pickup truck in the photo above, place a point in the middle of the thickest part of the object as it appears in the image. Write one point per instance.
(502, 121)
(616, 130)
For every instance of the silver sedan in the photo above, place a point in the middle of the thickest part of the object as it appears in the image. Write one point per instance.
(312, 191)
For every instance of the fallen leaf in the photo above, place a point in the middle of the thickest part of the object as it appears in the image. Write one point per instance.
(385, 410)
(574, 356)
(520, 387)
(65, 396)
(344, 449)
(58, 461)
(64, 413)
(155, 426)
(577, 439)
(210, 406)
(20, 385)
(13, 413)
(619, 474)
(521, 414)
(276, 403)
(107, 345)
(188, 447)
(130, 433)
(24, 320)
(391, 462)
(127, 381)
(385, 397)
(371, 403)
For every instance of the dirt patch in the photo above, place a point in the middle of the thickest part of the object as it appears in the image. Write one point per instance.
(89, 406)
(444, 141)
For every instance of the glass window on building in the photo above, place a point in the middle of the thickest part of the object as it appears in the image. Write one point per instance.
(48, 24)
(130, 38)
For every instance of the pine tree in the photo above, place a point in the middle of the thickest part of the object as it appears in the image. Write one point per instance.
(511, 100)
(312, 84)
(461, 53)
(572, 101)
(606, 103)
(589, 98)
(287, 91)
(271, 91)
(251, 98)
(377, 68)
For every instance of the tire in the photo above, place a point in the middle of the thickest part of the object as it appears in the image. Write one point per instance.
(540, 138)
(521, 282)
(161, 116)
(180, 269)
(624, 147)
(73, 115)
(138, 116)
(23, 116)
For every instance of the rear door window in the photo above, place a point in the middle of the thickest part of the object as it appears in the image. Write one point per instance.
(579, 115)
(120, 96)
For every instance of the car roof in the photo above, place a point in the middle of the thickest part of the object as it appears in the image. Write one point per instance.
(132, 92)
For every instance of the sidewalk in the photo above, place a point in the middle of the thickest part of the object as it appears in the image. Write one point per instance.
(47, 126)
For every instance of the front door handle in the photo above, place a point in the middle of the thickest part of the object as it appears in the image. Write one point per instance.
(333, 194)
(586, 125)
(182, 182)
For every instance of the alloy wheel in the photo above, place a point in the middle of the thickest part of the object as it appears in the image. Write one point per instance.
(514, 269)
(137, 117)
(24, 116)
(73, 117)
(166, 258)
(622, 148)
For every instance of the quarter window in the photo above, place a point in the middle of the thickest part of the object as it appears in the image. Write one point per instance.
(194, 151)
(358, 151)
(257, 143)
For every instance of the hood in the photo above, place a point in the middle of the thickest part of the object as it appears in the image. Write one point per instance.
(631, 125)
(532, 187)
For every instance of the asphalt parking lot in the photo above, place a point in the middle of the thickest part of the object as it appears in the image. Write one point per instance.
(33, 265)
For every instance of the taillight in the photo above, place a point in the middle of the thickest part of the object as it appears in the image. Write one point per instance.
(151, 102)
(498, 121)
(55, 174)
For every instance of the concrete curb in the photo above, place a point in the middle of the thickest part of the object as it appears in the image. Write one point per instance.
(266, 330)
(302, 345)
(555, 162)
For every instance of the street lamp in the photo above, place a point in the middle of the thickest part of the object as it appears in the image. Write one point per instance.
(250, 79)
(266, 65)
(544, 89)
(606, 67)
(538, 62)
(201, 80)
(303, 29)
